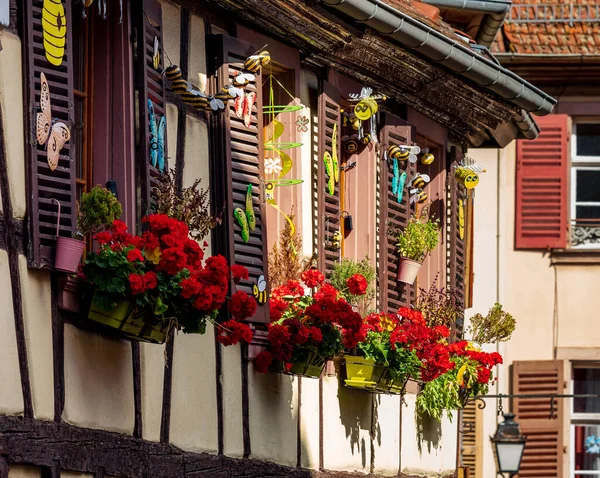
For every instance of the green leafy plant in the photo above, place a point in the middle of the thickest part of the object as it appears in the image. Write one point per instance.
(342, 271)
(497, 326)
(191, 206)
(418, 238)
(97, 209)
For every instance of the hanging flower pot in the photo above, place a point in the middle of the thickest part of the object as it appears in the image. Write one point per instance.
(311, 367)
(362, 373)
(68, 254)
(408, 270)
(391, 385)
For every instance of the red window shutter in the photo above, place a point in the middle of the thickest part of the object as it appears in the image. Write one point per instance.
(328, 210)
(236, 162)
(543, 457)
(149, 84)
(44, 186)
(393, 217)
(541, 187)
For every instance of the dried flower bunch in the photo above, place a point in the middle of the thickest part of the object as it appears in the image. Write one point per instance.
(439, 306)
(497, 326)
(192, 206)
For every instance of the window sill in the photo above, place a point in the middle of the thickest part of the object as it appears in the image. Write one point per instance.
(575, 257)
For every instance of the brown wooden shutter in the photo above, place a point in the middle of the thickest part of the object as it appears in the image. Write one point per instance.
(393, 216)
(543, 457)
(149, 84)
(328, 210)
(541, 218)
(236, 161)
(45, 186)
(457, 253)
(471, 439)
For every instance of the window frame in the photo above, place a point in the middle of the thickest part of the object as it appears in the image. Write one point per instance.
(583, 163)
(580, 419)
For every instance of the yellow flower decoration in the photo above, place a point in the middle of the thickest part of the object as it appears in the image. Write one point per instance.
(387, 323)
(460, 375)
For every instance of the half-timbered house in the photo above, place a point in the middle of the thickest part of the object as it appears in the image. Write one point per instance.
(78, 402)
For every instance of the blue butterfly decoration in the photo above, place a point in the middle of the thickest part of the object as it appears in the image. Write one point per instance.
(401, 186)
(157, 138)
(398, 181)
(592, 445)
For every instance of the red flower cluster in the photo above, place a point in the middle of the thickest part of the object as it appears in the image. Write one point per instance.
(357, 284)
(312, 278)
(140, 283)
(242, 306)
(232, 332)
(485, 361)
(239, 273)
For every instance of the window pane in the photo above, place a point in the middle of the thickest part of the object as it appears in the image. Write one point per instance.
(588, 185)
(588, 212)
(588, 139)
(586, 380)
(587, 447)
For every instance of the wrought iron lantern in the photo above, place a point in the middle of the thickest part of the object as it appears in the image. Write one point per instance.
(508, 444)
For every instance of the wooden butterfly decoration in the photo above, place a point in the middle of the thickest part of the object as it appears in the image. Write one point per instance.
(53, 134)
(243, 107)
(157, 138)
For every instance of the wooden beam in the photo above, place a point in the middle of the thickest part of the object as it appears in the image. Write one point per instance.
(58, 351)
(184, 57)
(38, 443)
(165, 421)
(137, 389)
(15, 276)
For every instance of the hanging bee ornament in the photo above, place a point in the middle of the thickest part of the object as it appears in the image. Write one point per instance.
(254, 62)
(467, 173)
(366, 105)
(336, 240)
(427, 158)
(350, 146)
(417, 196)
(419, 181)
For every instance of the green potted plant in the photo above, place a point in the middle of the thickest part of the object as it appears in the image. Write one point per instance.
(415, 242)
(97, 209)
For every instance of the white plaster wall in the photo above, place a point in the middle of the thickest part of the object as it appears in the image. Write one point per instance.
(11, 101)
(231, 379)
(193, 400)
(346, 427)
(197, 65)
(387, 434)
(309, 423)
(171, 18)
(98, 381)
(152, 360)
(38, 336)
(273, 400)
(11, 396)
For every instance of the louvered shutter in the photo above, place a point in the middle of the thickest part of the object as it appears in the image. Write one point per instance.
(541, 187)
(236, 162)
(149, 84)
(543, 457)
(457, 255)
(393, 216)
(328, 210)
(45, 187)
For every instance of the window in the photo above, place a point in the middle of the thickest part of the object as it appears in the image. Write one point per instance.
(585, 184)
(585, 423)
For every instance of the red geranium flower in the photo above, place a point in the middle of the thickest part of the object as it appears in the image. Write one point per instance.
(231, 332)
(312, 278)
(151, 280)
(239, 273)
(103, 237)
(135, 255)
(357, 284)
(263, 361)
(137, 284)
(242, 305)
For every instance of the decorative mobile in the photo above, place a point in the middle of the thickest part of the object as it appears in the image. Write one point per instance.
(259, 290)
(53, 134)
(157, 131)
(302, 124)
(54, 28)
(273, 166)
(270, 197)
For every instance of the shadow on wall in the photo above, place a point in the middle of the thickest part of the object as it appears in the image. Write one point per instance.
(429, 432)
(356, 409)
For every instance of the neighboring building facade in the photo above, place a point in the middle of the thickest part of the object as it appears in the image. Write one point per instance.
(537, 229)
(75, 402)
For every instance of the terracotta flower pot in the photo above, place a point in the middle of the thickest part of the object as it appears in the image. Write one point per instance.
(408, 270)
(68, 254)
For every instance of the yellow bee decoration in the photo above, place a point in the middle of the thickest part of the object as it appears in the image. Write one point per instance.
(336, 240)
(366, 138)
(461, 220)
(254, 62)
(367, 104)
(427, 158)
(259, 290)
(419, 196)
(54, 26)
(173, 73)
(467, 177)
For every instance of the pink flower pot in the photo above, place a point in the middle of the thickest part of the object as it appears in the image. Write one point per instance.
(68, 254)
(408, 270)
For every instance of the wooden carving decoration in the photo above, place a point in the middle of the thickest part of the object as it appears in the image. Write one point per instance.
(52, 134)
(54, 26)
